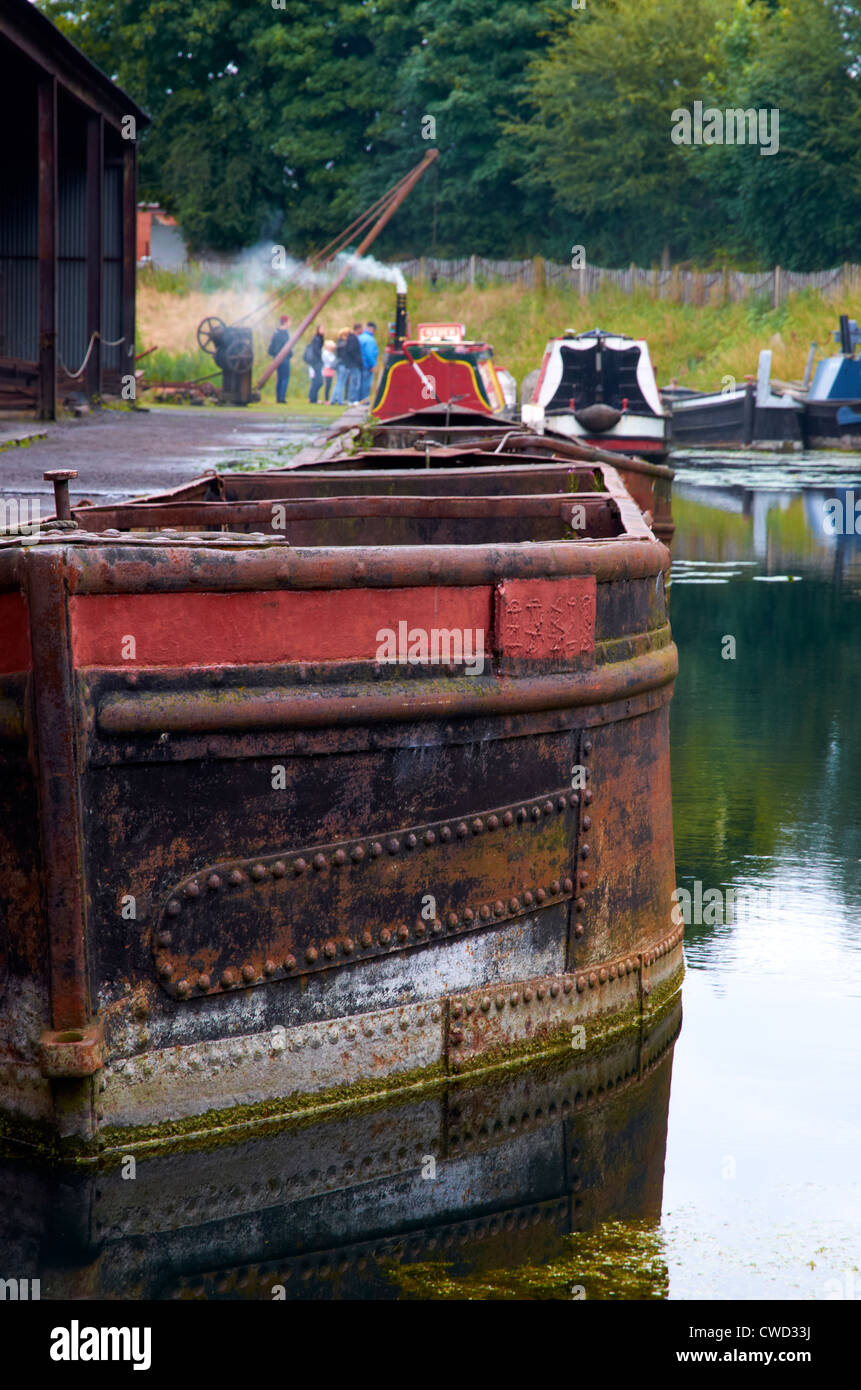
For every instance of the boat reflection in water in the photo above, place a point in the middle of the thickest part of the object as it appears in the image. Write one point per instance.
(808, 517)
(535, 1182)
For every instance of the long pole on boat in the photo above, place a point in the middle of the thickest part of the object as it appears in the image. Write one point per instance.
(406, 187)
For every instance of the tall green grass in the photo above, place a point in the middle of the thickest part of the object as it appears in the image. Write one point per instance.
(179, 366)
(698, 345)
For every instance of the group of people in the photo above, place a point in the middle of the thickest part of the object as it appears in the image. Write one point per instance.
(344, 368)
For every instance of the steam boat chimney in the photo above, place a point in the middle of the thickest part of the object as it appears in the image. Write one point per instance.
(401, 325)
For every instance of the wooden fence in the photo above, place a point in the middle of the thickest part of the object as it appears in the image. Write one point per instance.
(677, 286)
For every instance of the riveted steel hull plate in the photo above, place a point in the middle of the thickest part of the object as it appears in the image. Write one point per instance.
(455, 1034)
(272, 1065)
(487, 1023)
(244, 922)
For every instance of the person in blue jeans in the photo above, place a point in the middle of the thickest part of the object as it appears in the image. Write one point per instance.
(353, 361)
(279, 338)
(370, 352)
(339, 395)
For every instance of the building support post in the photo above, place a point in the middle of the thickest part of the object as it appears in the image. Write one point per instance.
(95, 228)
(127, 351)
(47, 111)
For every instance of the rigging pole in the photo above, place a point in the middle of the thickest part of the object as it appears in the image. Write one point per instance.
(405, 187)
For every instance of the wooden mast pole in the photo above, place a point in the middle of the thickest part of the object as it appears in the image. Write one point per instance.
(392, 207)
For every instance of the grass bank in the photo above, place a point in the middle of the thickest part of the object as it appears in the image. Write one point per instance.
(698, 345)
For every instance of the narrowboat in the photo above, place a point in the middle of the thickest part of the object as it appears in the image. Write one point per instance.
(749, 416)
(465, 410)
(326, 784)
(599, 388)
(440, 367)
(476, 1181)
(831, 417)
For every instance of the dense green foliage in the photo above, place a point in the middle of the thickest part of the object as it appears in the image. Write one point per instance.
(283, 119)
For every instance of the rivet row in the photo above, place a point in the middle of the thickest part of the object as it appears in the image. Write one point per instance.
(261, 872)
(566, 984)
(386, 938)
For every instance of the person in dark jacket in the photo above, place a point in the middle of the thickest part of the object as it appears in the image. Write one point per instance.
(353, 362)
(313, 356)
(279, 338)
(339, 395)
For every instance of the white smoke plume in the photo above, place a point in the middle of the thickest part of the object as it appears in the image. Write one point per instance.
(369, 268)
(257, 273)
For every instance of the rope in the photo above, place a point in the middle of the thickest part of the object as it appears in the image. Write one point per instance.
(94, 335)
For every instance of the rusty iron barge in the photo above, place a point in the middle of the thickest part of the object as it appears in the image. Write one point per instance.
(258, 861)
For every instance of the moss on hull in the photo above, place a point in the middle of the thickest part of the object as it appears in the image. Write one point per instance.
(226, 1125)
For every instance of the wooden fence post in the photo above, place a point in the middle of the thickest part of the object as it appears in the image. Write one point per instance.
(472, 272)
(776, 286)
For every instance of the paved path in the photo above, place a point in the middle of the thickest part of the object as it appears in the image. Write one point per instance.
(122, 453)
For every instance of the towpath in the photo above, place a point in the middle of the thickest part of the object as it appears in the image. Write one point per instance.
(121, 453)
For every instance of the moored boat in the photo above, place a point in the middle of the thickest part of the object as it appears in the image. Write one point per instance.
(507, 459)
(649, 483)
(753, 415)
(439, 368)
(599, 388)
(832, 407)
(366, 791)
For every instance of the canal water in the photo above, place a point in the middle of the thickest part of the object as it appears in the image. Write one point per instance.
(716, 1162)
(762, 1191)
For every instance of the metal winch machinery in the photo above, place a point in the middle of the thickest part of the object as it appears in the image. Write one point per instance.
(233, 350)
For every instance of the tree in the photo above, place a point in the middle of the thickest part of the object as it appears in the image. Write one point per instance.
(553, 123)
(800, 207)
(259, 112)
(456, 73)
(598, 138)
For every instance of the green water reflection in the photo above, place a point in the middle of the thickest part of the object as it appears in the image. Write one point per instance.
(623, 1260)
(762, 1196)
